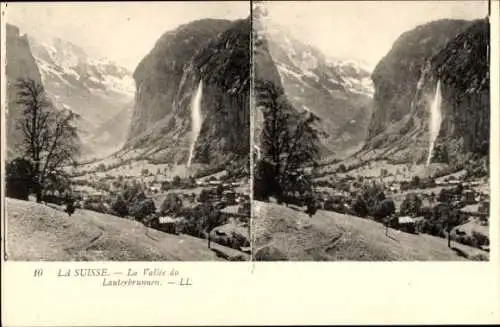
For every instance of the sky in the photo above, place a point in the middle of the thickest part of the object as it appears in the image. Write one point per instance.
(123, 32)
(364, 30)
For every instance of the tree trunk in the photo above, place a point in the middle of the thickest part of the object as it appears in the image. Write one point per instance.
(38, 192)
(449, 240)
(38, 182)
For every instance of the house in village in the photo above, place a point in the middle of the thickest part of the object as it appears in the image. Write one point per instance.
(214, 183)
(165, 224)
(406, 224)
(469, 197)
(229, 197)
(239, 212)
(478, 210)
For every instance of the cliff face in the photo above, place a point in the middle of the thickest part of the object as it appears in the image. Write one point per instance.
(215, 52)
(224, 66)
(20, 64)
(452, 51)
(463, 68)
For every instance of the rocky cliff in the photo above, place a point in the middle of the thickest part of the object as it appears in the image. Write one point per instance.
(20, 64)
(97, 89)
(452, 51)
(338, 92)
(215, 52)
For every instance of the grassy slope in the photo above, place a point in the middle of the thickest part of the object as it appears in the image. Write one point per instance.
(329, 236)
(38, 232)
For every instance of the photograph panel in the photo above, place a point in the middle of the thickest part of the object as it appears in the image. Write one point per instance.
(372, 131)
(128, 131)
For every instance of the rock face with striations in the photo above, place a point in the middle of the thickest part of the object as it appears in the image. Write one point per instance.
(455, 52)
(97, 89)
(20, 64)
(338, 92)
(215, 52)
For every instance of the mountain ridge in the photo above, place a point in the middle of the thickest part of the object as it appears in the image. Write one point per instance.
(336, 91)
(94, 88)
(405, 82)
(166, 79)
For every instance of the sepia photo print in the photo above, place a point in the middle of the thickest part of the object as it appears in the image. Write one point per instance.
(371, 131)
(238, 131)
(127, 131)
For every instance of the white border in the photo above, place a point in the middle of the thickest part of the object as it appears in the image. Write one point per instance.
(274, 293)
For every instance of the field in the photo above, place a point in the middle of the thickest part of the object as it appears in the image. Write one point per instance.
(290, 234)
(39, 232)
(135, 169)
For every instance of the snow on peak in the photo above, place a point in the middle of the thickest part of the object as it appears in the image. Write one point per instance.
(63, 62)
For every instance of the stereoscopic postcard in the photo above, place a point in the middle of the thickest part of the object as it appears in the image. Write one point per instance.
(250, 162)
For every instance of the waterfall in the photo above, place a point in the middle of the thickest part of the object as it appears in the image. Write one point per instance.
(196, 120)
(435, 121)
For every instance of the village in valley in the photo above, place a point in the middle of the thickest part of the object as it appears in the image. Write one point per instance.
(415, 196)
(205, 204)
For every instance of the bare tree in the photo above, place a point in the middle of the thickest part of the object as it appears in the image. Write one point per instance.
(288, 140)
(50, 139)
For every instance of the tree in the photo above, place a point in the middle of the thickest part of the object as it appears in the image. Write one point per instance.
(204, 195)
(19, 179)
(50, 139)
(384, 209)
(172, 204)
(289, 143)
(342, 168)
(176, 182)
(449, 217)
(411, 205)
(219, 190)
(143, 208)
(119, 206)
(360, 208)
(264, 182)
(432, 198)
(372, 194)
(415, 182)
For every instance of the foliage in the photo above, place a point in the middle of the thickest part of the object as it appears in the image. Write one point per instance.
(172, 205)
(342, 169)
(133, 193)
(384, 209)
(288, 141)
(372, 194)
(119, 206)
(97, 207)
(359, 207)
(441, 154)
(50, 137)
(19, 179)
(204, 195)
(201, 219)
(142, 209)
(101, 167)
(264, 184)
(411, 205)
(176, 182)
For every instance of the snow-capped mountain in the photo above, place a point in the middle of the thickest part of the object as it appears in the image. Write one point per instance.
(338, 91)
(95, 88)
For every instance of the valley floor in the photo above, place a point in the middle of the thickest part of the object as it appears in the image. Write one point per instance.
(36, 232)
(290, 234)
